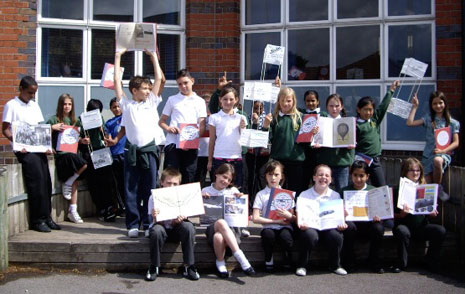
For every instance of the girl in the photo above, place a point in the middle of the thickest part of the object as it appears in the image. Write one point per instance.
(338, 159)
(434, 160)
(360, 174)
(312, 102)
(219, 234)
(368, 132)
(225, 132)
(273, 230)
(309, 237)
(284, 126)
(69, 166)
(416, 226)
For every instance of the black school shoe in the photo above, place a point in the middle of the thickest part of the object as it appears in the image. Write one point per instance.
(191, 273)
(222, 275)
(151, 274)
(249, 271)
(41, 227)
(52, 225)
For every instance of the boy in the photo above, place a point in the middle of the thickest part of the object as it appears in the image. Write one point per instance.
(178, 230)
(34, 165)
(141, 153)
(184, 107)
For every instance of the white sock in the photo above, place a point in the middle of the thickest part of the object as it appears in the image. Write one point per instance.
(221, 266)
(71, 179)
(269, 262)
(240, 257)
(72, 207)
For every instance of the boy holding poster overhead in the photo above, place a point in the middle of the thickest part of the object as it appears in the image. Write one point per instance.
(183, 108)
(141, 157)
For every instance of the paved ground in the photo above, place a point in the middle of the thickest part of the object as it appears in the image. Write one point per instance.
(415, 281)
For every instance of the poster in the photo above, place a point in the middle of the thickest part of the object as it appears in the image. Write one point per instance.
(91, 119)
(101, 158)
(33, 138)
(253, 138)
(185, 200)
(136, 36)
(274, 54)
(400, 108)
(414, 68)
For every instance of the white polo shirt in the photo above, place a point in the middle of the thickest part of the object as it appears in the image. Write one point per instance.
(17, 110)
(141, 120)
(261, 203)
(228, 133)
(313, 195)
(183, 109)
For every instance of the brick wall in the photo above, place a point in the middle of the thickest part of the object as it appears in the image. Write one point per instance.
(212, 42)
(17, 47)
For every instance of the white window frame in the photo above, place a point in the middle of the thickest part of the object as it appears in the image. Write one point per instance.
(403, 17)
(363, 19)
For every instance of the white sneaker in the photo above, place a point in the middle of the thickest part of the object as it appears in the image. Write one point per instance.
(340, 271)
(133, 233)
(301, 271)
(74, 217)
(245, 233)
(66, 190)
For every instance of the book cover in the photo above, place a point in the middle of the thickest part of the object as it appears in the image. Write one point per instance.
(188, 138)
(108, 76)
(279, 199)
(443, 137)
(68, 139)
(309, 123)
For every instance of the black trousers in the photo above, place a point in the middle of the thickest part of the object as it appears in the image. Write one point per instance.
(294, 176)
(271, 236)
(376, 173)
(333, 240)
(255, 174)
(184, 233)
(38, 185)
(433, 233)
(184, 160)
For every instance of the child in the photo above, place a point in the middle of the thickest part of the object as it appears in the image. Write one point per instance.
(35, 170)
(184, 107)
(359, 172)
(219, 235)
(202, 159)
(112, 128)
(284, 125)
(435, 160)
(273, 230)
(225, 132)
(141, 158)
(100, 181)
(309, 237)
(338, 159)
(368, 132)
(416, 226)
(69, 166)
(178, 230)
(312, 102)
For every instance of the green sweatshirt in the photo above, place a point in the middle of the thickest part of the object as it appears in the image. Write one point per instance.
(368, 132)
(67, 121)
(282, 136)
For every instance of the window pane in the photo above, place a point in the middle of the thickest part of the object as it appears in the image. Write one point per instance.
(262, 11)
(308, 62)
(67, 9)
(105, 95)
(351, 95)
(397, 129)
(323, 93)
(409, 41)
(165, 12)
(409, 7)
(254, 48)
(103, 50)
(357, 52)
(357, 8)
(48, 98)
(168, 47)
(299, 10)
(114, 10)
(61, 53)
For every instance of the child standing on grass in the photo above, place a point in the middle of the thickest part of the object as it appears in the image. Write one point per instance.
(178, 230)
(435, 160)
(220, 236)
(368, 132)
(69, 166)
(274, 230)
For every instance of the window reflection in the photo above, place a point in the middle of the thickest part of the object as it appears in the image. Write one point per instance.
(323, 93)
(262, 11)
(409, 41)
(351, 95)
(60, 9)
(357, 8)
(48, 98)
(357, 52)
(165, 12)
(254, 47)
(61, 53)
(308, 10)
(408, 7)
(308, 54)
(114, 10)
(168, 47)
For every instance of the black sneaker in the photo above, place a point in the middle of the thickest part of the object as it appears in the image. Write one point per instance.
(52, 225)
(191, 273)
(151, 274)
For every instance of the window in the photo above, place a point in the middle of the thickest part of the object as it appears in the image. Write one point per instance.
(355, 48)
(76, 38)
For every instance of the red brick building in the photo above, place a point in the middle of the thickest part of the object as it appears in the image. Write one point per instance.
(355, 49)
